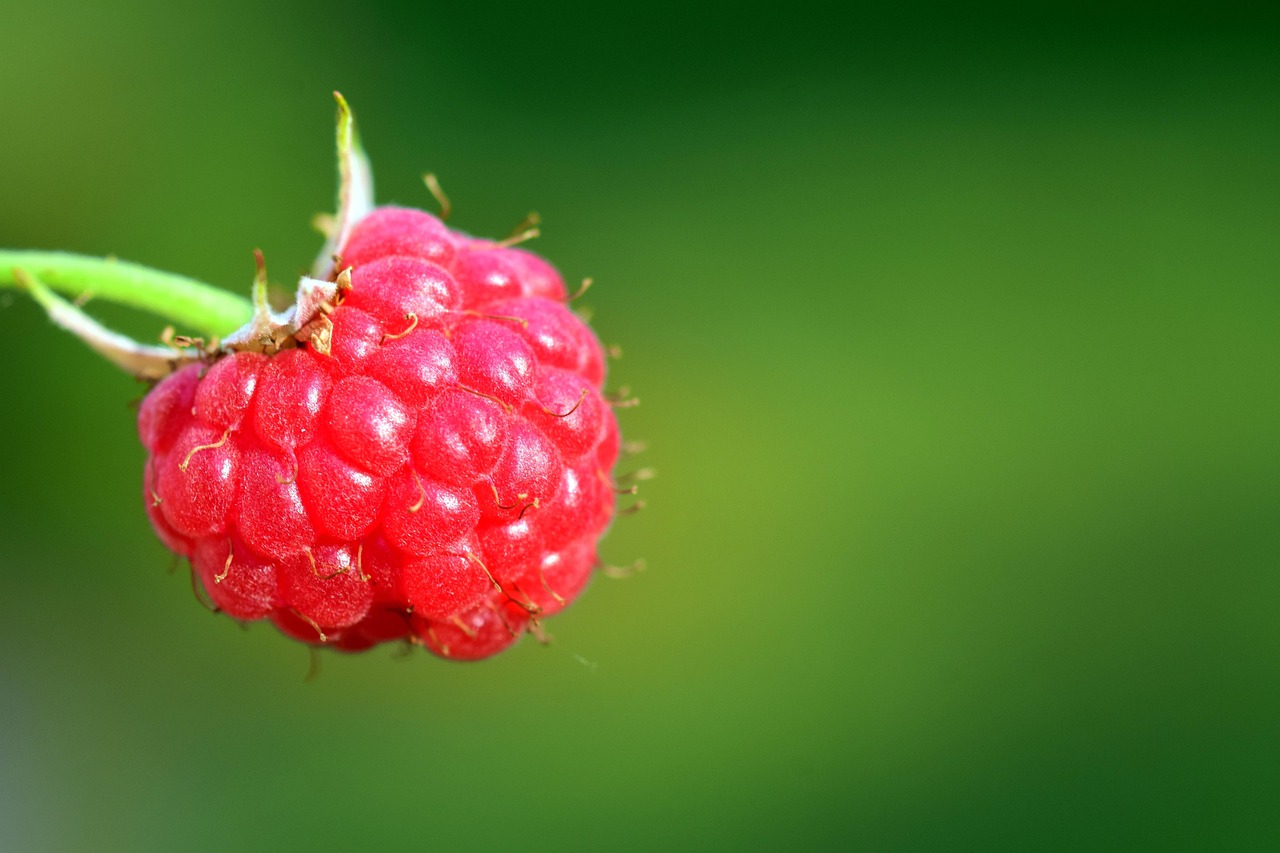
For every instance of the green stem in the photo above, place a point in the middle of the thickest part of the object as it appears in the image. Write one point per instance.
(199, 307)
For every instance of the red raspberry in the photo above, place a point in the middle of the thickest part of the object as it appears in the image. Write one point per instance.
(436, 469)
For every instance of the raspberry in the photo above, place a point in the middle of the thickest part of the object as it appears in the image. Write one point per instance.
(418, 451)
(437, 469)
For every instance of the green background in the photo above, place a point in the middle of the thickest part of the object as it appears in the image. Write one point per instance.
(955, 330)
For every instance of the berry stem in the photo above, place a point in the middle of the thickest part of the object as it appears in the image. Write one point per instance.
(200, 307)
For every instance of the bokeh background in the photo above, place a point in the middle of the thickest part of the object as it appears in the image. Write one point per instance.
(955, 330)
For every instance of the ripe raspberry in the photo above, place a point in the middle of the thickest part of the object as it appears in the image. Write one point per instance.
(434, 465)
(418, 450)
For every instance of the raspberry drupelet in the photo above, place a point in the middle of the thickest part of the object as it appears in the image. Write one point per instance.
(433, 464)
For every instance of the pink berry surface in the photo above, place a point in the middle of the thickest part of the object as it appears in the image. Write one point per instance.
(438, 472)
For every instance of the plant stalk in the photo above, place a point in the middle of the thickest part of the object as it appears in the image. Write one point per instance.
(196, 306)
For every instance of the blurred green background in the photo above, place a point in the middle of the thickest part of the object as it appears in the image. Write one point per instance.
(955, 329)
